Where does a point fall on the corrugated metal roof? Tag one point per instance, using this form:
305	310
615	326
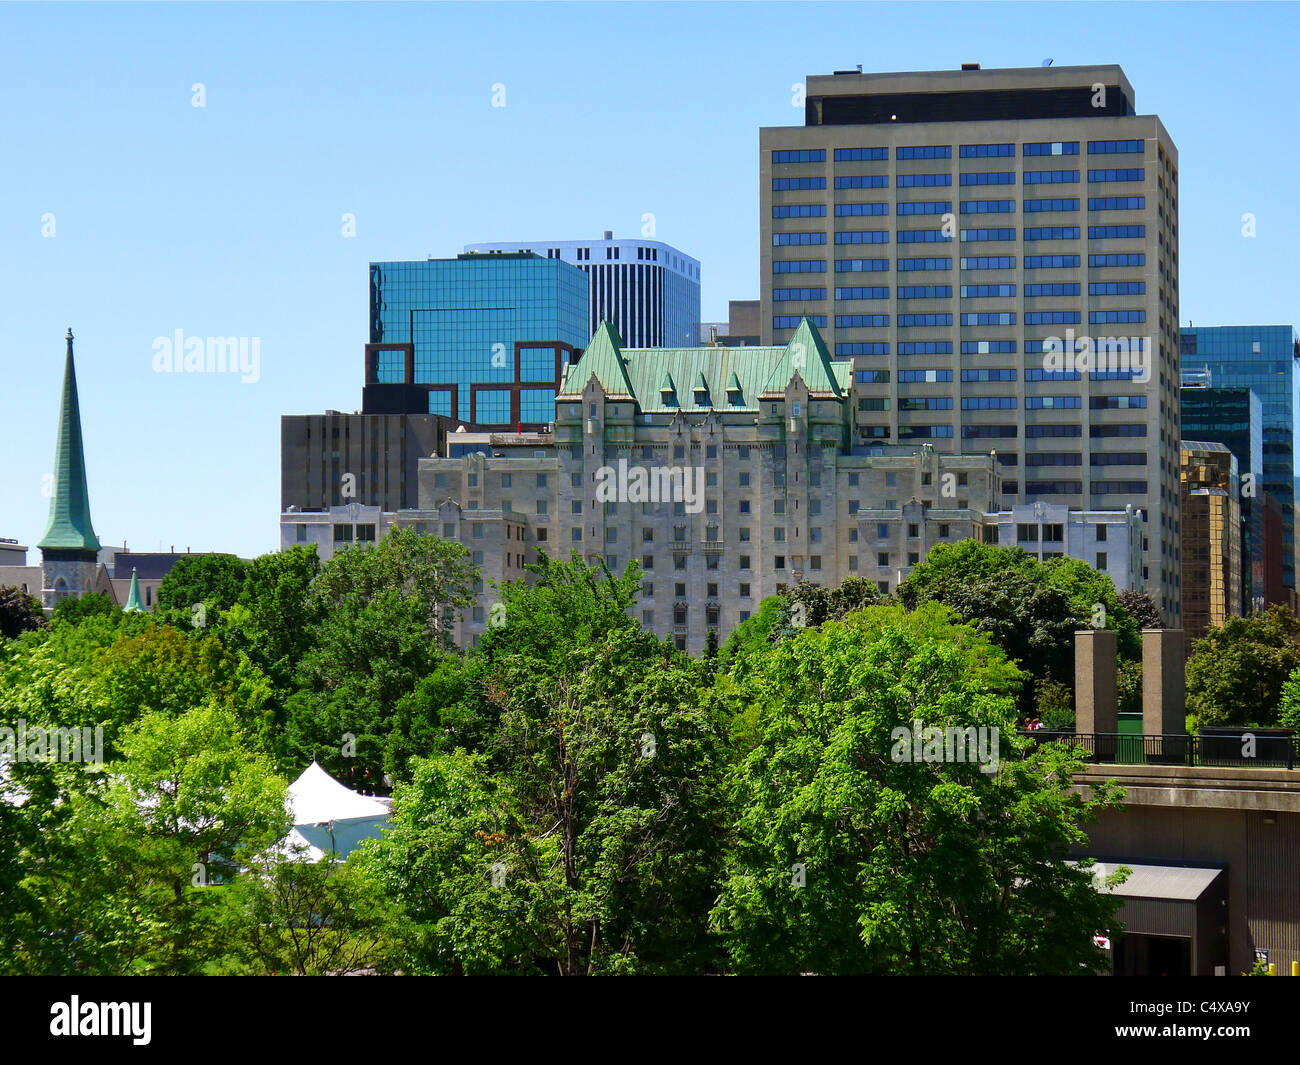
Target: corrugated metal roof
1174	882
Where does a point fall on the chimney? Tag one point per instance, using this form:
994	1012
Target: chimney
609	234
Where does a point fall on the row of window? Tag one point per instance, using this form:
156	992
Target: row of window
987	262
1037	432
982	291
966	151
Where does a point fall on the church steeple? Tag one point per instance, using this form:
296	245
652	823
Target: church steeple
70	529
133	604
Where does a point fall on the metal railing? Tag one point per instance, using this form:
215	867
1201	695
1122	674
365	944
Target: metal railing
1244	748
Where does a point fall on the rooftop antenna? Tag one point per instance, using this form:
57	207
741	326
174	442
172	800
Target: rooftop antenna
1047	62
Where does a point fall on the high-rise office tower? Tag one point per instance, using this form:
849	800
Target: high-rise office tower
1264	359
649	291
478	338
1232	417
997	252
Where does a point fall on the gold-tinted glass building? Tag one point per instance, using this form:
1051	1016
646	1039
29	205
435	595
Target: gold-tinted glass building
1211	535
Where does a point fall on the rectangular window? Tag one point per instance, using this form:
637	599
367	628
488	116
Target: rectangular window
863	181
987	151
799	155
861	155
924	151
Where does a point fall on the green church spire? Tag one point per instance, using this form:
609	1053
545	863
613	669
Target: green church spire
133	600
70	527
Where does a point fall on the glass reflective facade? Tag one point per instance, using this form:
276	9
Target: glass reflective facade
1263	359
478	320
648	290
1233	417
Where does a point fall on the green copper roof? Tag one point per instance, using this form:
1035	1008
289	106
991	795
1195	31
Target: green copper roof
70	525
604	358
806	354
650	374
133	600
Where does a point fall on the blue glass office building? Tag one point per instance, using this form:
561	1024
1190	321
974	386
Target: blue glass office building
1262	358
650	291
482	339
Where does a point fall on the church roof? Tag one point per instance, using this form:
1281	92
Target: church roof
70	526
735	378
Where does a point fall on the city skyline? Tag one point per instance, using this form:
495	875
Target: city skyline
228	220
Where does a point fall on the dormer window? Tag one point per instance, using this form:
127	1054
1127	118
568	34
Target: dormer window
701	392
668	391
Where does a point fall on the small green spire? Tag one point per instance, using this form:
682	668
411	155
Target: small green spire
70	526
133	603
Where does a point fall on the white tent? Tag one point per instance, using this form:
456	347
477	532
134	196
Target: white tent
329	817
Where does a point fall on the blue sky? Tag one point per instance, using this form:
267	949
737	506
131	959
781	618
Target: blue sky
226	220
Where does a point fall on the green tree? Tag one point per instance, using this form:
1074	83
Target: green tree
19	612
1004	593
1055	704
585	840
127	865
1128	683
73	609
1142	609
272	619
214	581
849	860
1090	589
1236	674
383	624
316	918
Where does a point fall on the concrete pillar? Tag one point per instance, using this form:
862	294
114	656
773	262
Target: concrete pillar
1164	694
1096	697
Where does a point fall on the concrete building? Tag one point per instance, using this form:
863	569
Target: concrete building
331	459
727	474
478	338
649	291
333	528
1211	834
12	553
1262	358
1054	338
1110	541
739	331
1211	535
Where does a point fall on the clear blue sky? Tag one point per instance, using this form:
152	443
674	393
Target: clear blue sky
226	220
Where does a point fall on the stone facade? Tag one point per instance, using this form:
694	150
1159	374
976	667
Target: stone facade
761	492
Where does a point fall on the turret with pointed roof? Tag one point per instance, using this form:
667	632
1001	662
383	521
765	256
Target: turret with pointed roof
70	564
70	532
133	603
